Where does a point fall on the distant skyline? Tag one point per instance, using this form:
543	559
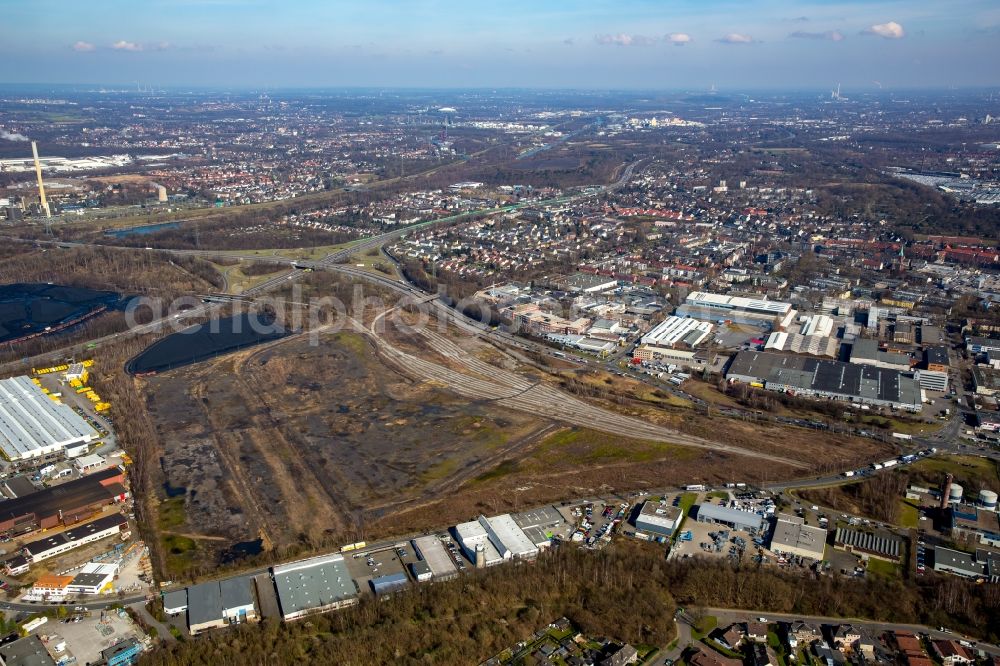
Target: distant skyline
594	44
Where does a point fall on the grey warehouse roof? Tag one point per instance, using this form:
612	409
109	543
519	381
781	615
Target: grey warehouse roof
724	514
850	380
313	583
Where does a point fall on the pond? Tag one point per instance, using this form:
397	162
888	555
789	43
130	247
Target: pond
29	310
204	341
142	230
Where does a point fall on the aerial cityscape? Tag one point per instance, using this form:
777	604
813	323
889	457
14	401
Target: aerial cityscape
654	333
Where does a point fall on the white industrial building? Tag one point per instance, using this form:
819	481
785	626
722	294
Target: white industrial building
678	330
659	519
33	425
932	380
94	578
431	550
489	541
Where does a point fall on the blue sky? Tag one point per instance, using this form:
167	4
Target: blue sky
653	44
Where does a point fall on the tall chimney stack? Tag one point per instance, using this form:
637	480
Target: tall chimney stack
41	186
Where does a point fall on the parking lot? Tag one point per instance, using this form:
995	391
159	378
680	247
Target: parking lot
594	522
368	564
86	634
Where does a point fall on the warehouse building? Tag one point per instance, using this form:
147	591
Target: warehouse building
80	535
819	378
796	343
678	331
734	518
219	603
421	571
974	524
65	504
984	564
868	544
389	583
986	380
33	425
658	519
432	551
94	578
932	380
314	585
866	352
791	536
751	311
27	651
539	525
175	602
499	533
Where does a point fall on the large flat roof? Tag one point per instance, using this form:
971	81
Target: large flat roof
725	302
76	534
313	583
32	424
792	532
204	603
435	555
662	515
864	382
675	329
504	530
68	496
724	514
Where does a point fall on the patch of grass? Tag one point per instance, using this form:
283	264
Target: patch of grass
171	513
687	501
586	445
439	470
704	626
351	341
503	469
971	471
884	569
180	551
909	516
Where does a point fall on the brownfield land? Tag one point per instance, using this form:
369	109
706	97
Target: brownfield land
300	444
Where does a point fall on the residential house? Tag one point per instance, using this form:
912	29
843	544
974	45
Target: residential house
757	631
804	633
845	638
951	653
731	637
707	657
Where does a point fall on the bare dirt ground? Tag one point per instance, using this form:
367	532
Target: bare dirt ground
303	444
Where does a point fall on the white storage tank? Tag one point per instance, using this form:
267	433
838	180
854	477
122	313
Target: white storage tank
988	500
955	493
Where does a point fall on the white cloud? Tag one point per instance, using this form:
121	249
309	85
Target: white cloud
832	35
736	38
83	47
12	136
622	39
122	45
679	38
890	30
